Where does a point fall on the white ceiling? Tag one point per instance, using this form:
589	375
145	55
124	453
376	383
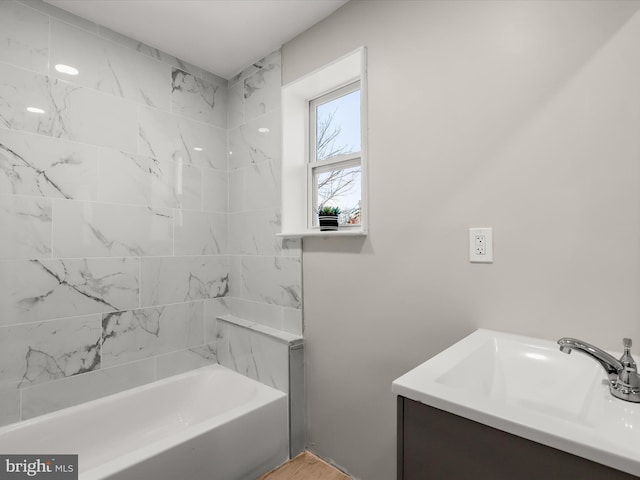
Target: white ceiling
221	36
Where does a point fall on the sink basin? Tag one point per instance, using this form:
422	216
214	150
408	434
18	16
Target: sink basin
527	387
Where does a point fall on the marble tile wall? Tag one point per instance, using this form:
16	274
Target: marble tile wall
137	206
265	271
114	224
271	356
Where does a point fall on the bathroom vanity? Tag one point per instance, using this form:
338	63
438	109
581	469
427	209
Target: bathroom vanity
498	406
434	444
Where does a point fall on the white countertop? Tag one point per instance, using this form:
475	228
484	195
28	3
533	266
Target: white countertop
527	387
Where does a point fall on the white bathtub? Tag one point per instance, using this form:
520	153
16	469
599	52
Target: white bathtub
207	424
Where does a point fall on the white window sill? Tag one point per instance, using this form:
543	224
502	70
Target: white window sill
348	232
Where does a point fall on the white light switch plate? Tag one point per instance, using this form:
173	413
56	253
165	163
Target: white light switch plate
481	245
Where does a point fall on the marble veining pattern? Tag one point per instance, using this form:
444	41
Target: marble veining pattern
68	110
137	334
101	230
39	352
214	308
235	276
199	99
200	233
262	185
164	136
256	141
107	67
272	58
254	233
33	290
183	279
140	180
48	167
52	396
26	227
262	89
274	280
114	260
24	36
254	355
159	55
265	271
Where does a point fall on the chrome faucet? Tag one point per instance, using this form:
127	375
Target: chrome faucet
624	381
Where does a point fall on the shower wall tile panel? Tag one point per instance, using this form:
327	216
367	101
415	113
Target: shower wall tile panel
235	106
117	248
52	396
272	58
41	289
200	233
184	360
262	89
89	229
24	37
55	12
108	67
215	190
259	312
198	99
265	271
254	355
137	334
168	280
10	401
140	180
67	110
165	136
236	190
262	185
159	55
254	232
273	280
38	352
26	226
47	167
255	141
113	212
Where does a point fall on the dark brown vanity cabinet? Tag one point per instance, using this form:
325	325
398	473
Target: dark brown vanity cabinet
437	445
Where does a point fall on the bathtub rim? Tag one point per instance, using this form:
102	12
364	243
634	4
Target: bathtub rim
264	395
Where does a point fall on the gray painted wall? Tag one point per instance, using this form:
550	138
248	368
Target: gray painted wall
521	116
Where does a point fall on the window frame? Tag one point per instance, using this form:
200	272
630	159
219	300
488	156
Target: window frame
338	162
296	184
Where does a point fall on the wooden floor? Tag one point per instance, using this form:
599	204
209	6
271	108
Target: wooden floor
305	466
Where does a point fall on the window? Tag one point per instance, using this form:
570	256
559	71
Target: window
335	171
324	160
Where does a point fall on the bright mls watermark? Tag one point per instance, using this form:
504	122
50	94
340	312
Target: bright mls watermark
51	467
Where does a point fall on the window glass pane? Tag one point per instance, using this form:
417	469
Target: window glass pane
341	188
338	126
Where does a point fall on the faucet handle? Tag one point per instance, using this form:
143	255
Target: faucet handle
627	359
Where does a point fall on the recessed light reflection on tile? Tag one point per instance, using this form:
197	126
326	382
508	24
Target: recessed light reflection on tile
69	70
34	110
198	149
263	130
